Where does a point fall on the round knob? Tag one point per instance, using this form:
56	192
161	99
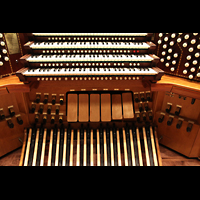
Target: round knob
12	112
179	124
60	119
57	110
140	107
49	110
169	122
41	109
36	118
144	116
161	118
142	97
146	107
177	111
33	108
6	58
150	116
10	124
61	100
136	98
148	97
52	119
44	119
189	127
4	51
19	120
53	100
138	117
37	98
45	99
2	43
168	109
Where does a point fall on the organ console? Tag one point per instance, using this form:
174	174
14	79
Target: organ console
102	99
80	56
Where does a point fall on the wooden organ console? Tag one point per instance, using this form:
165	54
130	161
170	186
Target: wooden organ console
101	99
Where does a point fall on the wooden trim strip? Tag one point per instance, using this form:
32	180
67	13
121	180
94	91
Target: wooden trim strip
98	149
50	148
28	147
78	149
57	148
85	149
125	148
139	147
64	148
71	148
36	148
153	147
91	149
105	148
112	149
146	147
132	148
157	147
23	148
118	149
43	147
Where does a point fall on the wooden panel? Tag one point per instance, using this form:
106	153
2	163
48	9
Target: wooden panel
116	107
177	139
72	107
186	92
188	110
105	107
83	108
127	102
167	82
9	138
9	100
3	91
94	107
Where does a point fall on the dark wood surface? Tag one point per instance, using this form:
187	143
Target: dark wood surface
169	158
